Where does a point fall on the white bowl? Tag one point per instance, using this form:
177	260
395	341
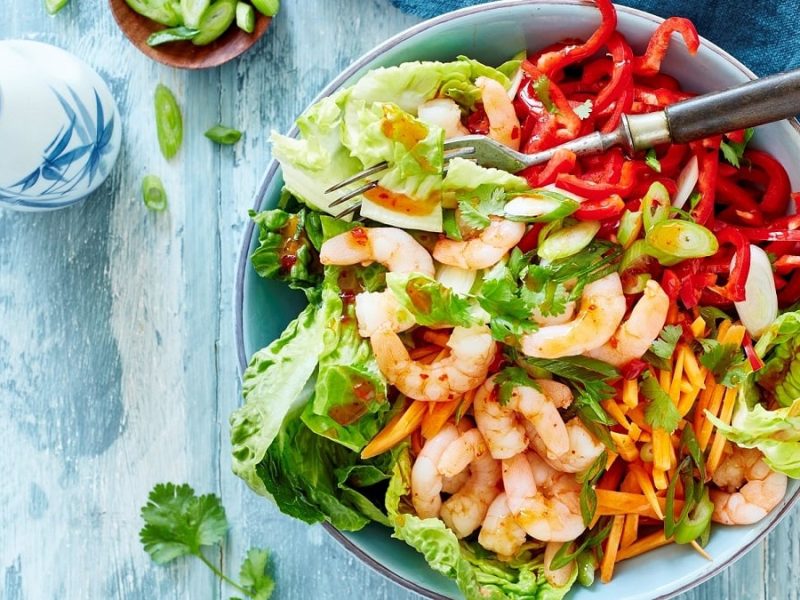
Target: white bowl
60	130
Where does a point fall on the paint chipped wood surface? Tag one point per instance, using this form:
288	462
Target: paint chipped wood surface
117	359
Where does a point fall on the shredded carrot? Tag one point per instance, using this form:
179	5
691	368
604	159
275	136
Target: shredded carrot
439	338
437	415
645	544
646	485
687	401
713	407
660	480
718	446
635	432
701	551
662	449
611	478
610	502
396	430
672	313
677	376
698	327
626	447
693	370
612	547
702	405
630	531
645	437
611	458
664	379
630	392
637	416
614	410
416	442
686	386
723	329
629	484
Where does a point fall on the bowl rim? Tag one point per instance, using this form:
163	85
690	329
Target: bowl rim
269	174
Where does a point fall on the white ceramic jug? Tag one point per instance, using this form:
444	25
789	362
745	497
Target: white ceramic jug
60	130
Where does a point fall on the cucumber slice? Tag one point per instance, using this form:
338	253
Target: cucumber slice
216	21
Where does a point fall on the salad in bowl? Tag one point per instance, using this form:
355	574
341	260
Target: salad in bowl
529	378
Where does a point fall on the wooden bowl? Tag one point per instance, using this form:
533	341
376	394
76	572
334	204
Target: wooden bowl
185	55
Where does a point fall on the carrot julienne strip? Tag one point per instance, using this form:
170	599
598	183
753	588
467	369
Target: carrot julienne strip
646	485
437	415
396	430
612	547
645	544
630	531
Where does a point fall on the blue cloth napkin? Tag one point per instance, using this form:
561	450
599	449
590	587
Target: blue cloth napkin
761	33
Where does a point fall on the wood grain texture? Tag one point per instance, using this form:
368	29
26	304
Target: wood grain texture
117	358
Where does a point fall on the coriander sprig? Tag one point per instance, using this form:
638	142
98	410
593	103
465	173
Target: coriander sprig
179	523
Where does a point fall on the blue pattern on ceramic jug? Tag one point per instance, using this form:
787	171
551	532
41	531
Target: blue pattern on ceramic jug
72	128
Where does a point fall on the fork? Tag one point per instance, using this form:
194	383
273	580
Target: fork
753	103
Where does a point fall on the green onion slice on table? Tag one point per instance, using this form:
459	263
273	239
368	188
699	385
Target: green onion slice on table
169	122
153	193
223	135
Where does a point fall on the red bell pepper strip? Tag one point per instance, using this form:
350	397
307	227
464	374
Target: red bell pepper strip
606	167
659	80
570	122
707	152
728	192
777	192
600	210
780	282
755	362
563	161
622	106
477	122
551	62
692	288
766	234
671	284
735	288
530	240
737	136
597	70
650	63
622	75
598	191
673	159
633	369
791	291
787	263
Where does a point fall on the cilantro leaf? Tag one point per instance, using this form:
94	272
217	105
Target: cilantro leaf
660	412
510	378
584	110
719	358
734	151
501	296
471	216
178	523
651	160
254	574
541	88
664	346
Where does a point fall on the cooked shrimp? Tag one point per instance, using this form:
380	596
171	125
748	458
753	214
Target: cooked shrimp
450	485
635	335
461	452
464	511
558	577
483	251
545	502
426	481
499	531
503	122
749	488
601	310
376	310
583	448
500	425
393	248
472	351
444	113
543	415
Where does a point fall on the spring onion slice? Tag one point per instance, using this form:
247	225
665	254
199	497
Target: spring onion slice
760	306
245	17
223	135
634	256
687	180
568	241
153	193
173	34
192	11
674	240
630	224
267	7
539	206
457	279
655	205
215	21
169	122
53	6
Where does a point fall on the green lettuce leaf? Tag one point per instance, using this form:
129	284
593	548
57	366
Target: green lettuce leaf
431	303
285	251
277	381
779	347
316	160
463	175
350	403
478	576
776	433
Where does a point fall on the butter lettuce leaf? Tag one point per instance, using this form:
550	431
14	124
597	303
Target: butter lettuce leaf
779	347
465	175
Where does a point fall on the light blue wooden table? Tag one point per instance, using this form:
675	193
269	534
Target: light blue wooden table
117	360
